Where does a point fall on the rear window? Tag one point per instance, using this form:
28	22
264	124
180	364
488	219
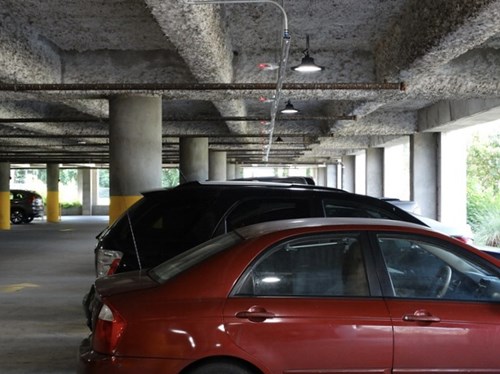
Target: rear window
334	208
171	268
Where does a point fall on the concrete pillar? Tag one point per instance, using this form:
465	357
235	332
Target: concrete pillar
331	175
348	173
230	171
85	184
452	178
217	168
238	171
135	134
193	163
375	172
321	180
423	172
4	196
52	204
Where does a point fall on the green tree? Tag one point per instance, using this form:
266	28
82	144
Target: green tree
483	186
67	176
169	177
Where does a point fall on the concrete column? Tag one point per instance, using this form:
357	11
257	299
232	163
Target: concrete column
375	172
52	204
238	171
135	134
217	167
193	163
348	173
4	196
452	179
331	175
321	179
230	171
85	181
423	172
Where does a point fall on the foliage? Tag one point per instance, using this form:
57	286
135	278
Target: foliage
67	176
72	204
169	177
483	186
104	178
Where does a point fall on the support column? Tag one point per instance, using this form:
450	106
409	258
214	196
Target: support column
423	172
375	172
193	162
86	190
217	167
321	176
52	204
348	173
135	149
230	171
4	196
331	175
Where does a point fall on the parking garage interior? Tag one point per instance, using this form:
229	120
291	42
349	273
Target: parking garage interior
134	86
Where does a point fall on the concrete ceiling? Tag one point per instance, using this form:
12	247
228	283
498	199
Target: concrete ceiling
389	64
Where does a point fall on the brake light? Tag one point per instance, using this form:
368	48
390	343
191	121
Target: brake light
105	260
108	330
114	266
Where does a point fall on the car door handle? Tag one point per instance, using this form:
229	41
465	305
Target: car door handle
255	314
421	316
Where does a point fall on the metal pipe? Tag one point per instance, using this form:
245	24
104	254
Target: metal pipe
14	87
180	119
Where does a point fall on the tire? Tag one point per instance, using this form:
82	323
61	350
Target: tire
221	367
17	216
28	219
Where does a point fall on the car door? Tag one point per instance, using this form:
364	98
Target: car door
445	306
307	305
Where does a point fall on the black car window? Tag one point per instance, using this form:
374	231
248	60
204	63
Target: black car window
264	209
339	208
418	268
326	265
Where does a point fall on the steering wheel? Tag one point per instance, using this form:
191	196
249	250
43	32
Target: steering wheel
443	276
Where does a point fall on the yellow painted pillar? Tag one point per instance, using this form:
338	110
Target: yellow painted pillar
52	203
4	196
135	149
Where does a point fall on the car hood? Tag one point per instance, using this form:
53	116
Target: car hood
124	282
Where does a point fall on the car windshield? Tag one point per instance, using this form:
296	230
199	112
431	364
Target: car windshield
176	265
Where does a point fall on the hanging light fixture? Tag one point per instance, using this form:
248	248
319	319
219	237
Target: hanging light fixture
289	109
307	65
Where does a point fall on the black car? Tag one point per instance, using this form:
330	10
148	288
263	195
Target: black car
25	206
167	222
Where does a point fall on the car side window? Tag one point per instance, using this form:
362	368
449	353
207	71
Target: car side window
419	268
265	209
315	266
333	208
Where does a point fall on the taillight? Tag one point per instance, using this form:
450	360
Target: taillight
105	260
114	266
108	330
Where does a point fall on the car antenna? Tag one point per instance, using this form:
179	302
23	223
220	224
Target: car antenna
133	240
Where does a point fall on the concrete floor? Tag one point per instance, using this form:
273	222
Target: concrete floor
45	269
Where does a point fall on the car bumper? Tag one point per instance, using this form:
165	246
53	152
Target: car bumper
91	362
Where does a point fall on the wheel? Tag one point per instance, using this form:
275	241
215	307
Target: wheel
28	219
17	216
443	280
222	367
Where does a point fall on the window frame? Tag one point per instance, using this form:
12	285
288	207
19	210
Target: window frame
367	252
458	250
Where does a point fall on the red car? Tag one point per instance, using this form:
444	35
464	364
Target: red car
322	295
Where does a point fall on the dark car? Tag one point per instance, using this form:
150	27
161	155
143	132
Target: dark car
324	295
165	223
25	206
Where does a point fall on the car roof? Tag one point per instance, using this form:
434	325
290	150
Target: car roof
244	184
265	228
